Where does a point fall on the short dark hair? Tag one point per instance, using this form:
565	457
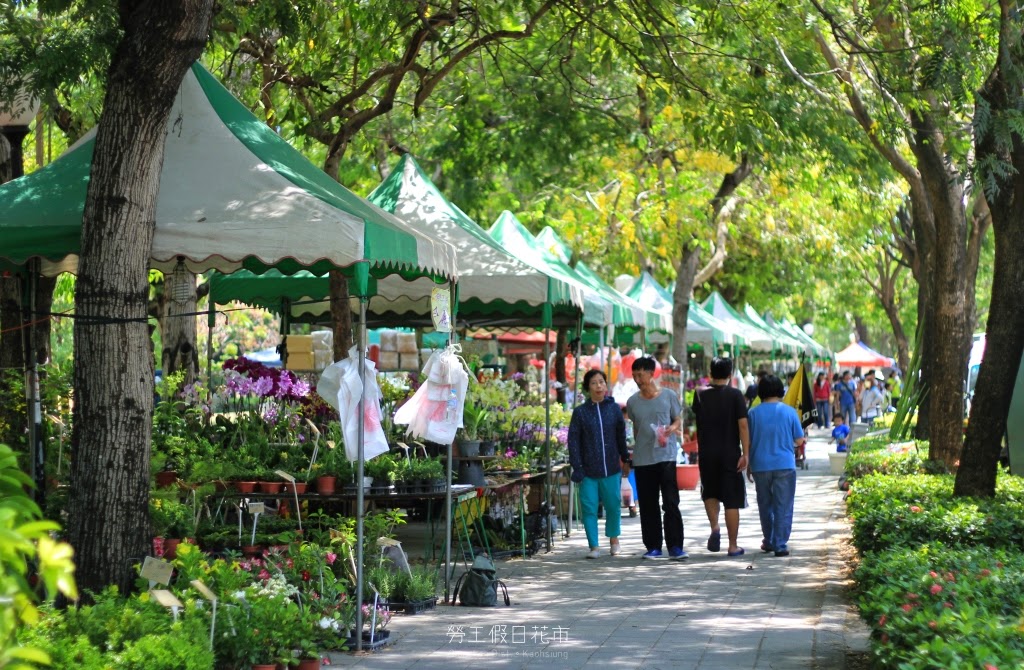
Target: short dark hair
721	368
770	387
587	378
644	363
838	416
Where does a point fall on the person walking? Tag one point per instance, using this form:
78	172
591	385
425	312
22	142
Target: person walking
822	395
722	443
599	459
896	389
846	389
871	401
775	432
656	416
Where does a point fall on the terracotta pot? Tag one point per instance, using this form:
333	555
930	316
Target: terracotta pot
309	664
171	549
166	478
325	485
264	666
270	487
687	477
245	487
252	551
298	487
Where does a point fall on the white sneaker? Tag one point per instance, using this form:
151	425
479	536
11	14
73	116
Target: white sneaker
614	551
594	553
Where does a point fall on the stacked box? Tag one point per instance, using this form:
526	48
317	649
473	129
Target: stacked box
323	349
300	352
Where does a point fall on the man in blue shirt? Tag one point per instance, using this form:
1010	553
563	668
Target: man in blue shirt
775	432
846	388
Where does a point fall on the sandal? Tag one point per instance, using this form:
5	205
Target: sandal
715	541
739	552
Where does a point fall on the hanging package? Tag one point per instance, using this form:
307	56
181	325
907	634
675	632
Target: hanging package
434	412
341	387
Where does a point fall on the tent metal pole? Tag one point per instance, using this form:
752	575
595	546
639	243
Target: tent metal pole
35	413
547	430
361	360
211	323
452	339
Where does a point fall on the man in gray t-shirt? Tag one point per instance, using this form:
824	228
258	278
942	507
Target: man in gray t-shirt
655	414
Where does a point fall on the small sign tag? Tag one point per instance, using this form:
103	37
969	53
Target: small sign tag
156	570
256	508
388	542
285	476
166	598
204	590
440	309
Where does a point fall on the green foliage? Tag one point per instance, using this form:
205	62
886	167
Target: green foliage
940	608
909	511
170	517
25	538
124	634
877	454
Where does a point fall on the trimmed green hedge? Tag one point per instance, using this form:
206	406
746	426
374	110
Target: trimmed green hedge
941	580
937	608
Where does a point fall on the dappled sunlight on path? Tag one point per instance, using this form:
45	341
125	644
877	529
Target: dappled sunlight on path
710	611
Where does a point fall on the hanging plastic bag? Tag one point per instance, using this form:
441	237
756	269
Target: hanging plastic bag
341	387
434	413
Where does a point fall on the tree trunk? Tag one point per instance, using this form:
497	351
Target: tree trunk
12	360
720	208
681	302
178	333
1005	332
861	330
951	332
341	315
109	524
902	346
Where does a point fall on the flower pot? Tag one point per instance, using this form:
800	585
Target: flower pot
297	487
487	447
469	448
309	664
245	487
270	487
252	550
166	478
837	462
264	666
687	477
325	485
380	638
171	549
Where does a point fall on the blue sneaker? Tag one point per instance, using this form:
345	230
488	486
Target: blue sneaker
677	554
653	553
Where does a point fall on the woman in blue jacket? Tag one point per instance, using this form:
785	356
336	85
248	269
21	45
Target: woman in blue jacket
599	457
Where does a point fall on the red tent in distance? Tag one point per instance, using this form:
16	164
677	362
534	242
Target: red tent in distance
859	354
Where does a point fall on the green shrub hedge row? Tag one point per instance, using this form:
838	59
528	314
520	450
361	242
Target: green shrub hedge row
941	581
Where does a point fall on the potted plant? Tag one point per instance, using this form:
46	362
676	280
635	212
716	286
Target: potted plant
469	442
383	469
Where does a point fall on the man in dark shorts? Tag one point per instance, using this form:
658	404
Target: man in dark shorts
723	442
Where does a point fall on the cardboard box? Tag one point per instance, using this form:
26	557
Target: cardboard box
302	360
300	344
407	343
388	360
389	340
409	362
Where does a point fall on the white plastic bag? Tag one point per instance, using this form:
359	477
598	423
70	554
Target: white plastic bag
341	387
434	412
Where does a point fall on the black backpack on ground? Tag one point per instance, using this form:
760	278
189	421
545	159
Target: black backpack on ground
479	586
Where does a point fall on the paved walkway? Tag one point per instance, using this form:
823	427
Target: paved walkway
707	612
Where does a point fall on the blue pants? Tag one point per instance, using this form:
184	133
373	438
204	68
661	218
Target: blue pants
849	413
776	490
607	491
824	419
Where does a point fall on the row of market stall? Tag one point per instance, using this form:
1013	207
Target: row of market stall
238	200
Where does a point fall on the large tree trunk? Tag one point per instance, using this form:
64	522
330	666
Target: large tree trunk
721	207
902	346
109	524
178	332
1005	333
952	295
561	349
341	315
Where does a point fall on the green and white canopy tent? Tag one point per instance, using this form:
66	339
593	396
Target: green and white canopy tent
758	340
495	288
702	328
233	195
784	341
514	238
628	315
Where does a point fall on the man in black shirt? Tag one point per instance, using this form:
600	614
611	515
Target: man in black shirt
723	442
